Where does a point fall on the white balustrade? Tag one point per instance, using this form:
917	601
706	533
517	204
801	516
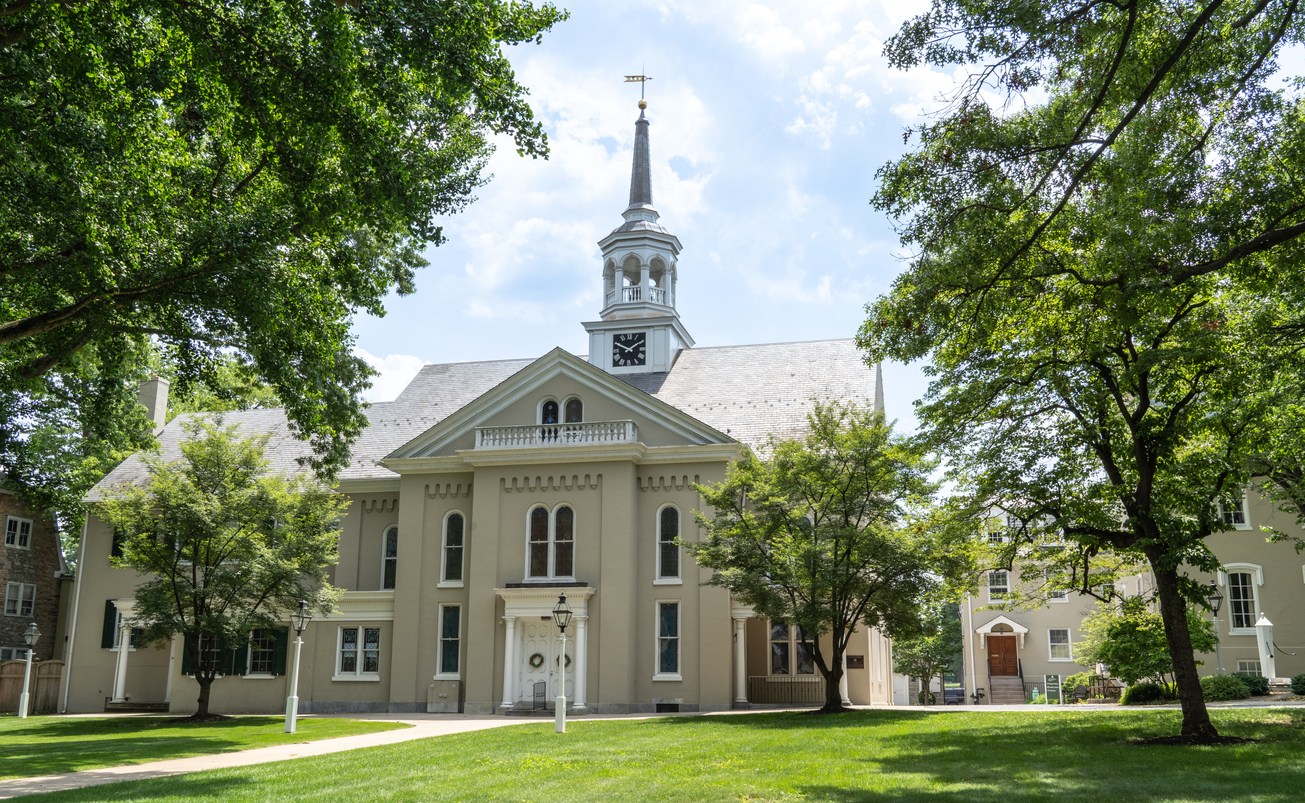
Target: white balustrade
635	293
543	435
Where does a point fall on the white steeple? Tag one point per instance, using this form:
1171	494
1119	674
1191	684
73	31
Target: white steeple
640	330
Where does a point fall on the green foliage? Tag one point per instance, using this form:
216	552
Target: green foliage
1130	638
224	546
1298	684
1217	688
929	654
1106	282
1256	685
1145	693
1072	682
231	385
831	533
227	178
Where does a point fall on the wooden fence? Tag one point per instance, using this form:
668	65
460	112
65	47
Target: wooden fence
786	689
43	688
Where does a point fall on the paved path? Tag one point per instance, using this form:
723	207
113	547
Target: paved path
422	727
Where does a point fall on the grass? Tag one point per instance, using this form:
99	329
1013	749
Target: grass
54	745
1016	757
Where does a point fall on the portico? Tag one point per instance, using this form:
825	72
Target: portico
531	648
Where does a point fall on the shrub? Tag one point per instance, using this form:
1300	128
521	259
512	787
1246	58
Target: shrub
1258	686
1223	687
1298	684
1144	693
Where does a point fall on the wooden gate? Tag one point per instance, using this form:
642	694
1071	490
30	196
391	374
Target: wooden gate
44	686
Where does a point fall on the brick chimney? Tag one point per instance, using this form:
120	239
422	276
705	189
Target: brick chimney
154	398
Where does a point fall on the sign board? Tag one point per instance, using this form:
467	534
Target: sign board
856	662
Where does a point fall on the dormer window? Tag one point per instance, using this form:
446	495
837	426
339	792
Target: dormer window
575	411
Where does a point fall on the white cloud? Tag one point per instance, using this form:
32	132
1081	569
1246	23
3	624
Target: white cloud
396	371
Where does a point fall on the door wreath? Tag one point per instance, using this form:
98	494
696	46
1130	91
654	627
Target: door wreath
568	661
536	661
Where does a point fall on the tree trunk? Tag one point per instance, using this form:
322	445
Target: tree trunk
205	685
1173	610
833	696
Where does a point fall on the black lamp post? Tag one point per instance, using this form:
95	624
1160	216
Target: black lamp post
299	620
1215	600
562	616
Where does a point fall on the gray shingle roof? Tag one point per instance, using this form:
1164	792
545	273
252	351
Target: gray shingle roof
747	392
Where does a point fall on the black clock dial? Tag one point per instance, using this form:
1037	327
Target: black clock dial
630	349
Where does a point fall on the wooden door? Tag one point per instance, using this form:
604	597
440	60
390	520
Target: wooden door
1002	660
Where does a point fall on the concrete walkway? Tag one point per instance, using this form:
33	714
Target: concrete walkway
423	726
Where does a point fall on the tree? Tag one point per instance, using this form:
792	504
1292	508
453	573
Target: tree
230	178
930	654
1130	639
1104	279
827	533
225	547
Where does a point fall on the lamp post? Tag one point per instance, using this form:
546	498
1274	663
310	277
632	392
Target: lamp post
1215	600
30	636
562	616
299	620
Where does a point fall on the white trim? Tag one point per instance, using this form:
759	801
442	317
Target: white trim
385	534
260	676
1245	523
551	559
31	532
539	409
988	585
984	630
562	410
18	599
1257	580
658	577
658	674
439	641
444	550
371	678
360	639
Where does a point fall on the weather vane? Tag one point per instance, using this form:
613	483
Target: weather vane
641	80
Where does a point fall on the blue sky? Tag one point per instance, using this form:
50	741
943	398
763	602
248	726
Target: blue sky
768	124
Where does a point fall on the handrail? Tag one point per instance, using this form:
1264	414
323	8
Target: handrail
544	435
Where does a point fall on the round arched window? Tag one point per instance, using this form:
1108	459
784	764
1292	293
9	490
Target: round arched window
575	411
549	415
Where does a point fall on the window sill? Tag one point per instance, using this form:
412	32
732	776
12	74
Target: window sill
16	546
448	676
668	581
373	678
1240	527
260	676
449	584
116	649
1057	600
1241	631
660	676
543	581
1060	660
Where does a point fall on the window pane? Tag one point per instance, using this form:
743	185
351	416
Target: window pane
449	639
670	625
392	543
1060	646
563	550
453	564
29	600
261	646
778	630
575	412
669	552
670	655
371	649
1241	599
806	661
670	560
391	564
550	412
349	649
539	542
453	536
779	657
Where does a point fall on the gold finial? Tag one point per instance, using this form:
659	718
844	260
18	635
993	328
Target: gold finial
643	104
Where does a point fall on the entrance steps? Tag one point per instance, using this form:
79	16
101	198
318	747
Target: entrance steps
1005	690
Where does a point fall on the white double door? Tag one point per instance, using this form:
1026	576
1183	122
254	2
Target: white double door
540	652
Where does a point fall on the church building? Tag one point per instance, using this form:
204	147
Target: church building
485	490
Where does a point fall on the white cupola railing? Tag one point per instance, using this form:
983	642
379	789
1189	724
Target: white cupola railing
634	292
544	435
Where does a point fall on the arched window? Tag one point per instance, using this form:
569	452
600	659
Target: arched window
453	534
548	414
539	542
668	554
575	411
551	546
390	561
564	542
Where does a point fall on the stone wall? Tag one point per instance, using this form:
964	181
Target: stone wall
37	565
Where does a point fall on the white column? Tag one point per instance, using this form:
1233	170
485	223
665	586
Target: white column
620	284
842	684
510	656
644	293
172	665
740	662
120	675
581	664
27	676
1264	635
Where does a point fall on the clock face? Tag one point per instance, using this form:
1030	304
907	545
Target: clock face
629	349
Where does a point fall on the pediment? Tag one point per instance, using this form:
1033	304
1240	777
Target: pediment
559	374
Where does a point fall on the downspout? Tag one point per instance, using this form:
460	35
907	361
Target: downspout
72	626
969	639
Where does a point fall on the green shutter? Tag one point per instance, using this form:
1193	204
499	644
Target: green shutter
110	620
185	654
235	661
115	551
278	651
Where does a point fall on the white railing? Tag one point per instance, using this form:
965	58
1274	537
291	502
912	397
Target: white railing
635	293
540	435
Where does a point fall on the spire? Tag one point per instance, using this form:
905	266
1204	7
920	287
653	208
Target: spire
641	172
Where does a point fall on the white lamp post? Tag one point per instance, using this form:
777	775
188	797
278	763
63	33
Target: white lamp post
1215	600
562	616
299	620
30	636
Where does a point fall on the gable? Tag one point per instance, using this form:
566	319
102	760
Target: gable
559	375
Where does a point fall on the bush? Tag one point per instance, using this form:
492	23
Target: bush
1144	693
1223	687
1298	684
1256	685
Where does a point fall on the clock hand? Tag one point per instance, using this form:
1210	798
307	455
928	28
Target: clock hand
627	348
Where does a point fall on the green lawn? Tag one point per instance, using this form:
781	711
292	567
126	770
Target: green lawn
865	756
55	745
